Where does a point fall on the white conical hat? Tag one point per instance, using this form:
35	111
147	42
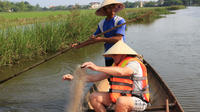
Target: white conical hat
120	48
100	11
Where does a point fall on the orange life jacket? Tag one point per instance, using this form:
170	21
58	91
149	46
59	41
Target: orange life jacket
124	85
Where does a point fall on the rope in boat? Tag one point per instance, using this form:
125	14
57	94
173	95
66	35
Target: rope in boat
67	49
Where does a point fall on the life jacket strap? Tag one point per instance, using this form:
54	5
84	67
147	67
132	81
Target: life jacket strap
124	77
125	91
137	94
139	78
120	83
131	77
143	91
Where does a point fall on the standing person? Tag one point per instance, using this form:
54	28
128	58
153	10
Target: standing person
109	8
127	77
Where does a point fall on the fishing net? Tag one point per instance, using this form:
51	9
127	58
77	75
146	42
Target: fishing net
77	90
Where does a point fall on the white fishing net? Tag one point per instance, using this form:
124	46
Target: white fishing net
77	90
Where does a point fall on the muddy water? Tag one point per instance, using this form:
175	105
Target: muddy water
171	45
42	88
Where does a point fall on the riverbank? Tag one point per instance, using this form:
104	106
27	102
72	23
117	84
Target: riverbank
41	39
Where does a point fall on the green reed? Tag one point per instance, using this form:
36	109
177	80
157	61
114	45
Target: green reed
42	38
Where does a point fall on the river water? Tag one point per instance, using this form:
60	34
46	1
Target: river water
171	45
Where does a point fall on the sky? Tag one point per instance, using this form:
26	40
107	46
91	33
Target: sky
47	3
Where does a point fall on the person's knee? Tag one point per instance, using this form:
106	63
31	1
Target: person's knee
123	104
121	101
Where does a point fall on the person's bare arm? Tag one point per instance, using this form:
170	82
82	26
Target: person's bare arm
112	39
96	77
88	78
94	40
116	71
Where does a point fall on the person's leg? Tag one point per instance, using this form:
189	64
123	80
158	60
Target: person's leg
124	104
100	99
127	104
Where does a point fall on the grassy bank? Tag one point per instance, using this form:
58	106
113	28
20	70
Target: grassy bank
22	18
39	38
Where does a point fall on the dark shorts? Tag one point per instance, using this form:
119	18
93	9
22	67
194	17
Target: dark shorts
109	62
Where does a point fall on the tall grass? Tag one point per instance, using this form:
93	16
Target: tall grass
5	22
39	39
42	38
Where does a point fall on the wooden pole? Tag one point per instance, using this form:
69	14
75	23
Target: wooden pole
167	105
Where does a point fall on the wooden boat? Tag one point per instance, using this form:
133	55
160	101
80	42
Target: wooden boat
161	98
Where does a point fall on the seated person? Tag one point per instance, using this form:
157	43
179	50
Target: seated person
127	78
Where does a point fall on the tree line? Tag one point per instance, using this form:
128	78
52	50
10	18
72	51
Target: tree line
163	3
6	6
181	2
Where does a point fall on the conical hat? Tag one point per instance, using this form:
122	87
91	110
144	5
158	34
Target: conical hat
100	11
120	48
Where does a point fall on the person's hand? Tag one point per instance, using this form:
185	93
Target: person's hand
96	39
75	45
89	65
92	37
67	77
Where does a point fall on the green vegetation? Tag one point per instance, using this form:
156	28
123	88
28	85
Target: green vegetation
6	6
38	14
160	3
176	7
50	36
22	18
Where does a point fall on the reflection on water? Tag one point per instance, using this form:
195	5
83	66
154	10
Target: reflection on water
171	45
